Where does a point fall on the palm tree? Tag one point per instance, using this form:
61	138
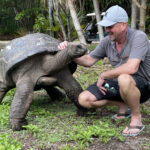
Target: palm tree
76	21
142	7
98	18
58	7
133	15
50	11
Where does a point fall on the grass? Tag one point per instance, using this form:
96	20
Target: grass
56	122
8	143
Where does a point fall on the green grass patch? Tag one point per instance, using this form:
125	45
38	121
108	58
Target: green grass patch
91	46
4	111
8	143
101	130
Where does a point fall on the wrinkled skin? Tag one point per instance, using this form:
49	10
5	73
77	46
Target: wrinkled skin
42	71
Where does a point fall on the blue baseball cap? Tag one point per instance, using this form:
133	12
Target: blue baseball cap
114	15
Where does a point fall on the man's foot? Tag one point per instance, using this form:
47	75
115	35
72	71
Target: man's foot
118	116
133	130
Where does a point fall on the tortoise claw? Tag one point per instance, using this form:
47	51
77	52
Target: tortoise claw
17	124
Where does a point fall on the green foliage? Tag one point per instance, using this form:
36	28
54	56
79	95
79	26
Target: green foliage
27	13
92	46
145	110
8	25
33	16
41	112
99	63
11	93
9	96
32	128
4	110
147	24
102	130
41	24
69	147
8	143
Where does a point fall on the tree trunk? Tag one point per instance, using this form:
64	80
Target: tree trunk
50	11
98	18
81	4
142	15
57	7
67	13
68	27
133	15
43	3
76	22
61	24
142	8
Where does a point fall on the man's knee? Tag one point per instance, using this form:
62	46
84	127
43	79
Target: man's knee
125	82
86	98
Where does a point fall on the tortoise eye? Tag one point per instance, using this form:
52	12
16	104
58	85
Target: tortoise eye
79	46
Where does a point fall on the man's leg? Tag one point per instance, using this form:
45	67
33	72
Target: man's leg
131	96
93	98
88	100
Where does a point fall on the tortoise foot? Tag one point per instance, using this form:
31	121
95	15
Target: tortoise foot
17	124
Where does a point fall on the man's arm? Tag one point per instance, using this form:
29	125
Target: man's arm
130	67
86	60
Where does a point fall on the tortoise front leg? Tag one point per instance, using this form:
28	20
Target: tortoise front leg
21	103
72	89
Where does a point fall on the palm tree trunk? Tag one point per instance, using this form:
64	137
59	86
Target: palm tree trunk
50	11
76	22
61	24
133	15
142	8
142	15
98	18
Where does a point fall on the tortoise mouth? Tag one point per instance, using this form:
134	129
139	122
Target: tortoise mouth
81	49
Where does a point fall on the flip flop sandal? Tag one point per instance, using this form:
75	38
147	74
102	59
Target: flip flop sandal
141	128
127	114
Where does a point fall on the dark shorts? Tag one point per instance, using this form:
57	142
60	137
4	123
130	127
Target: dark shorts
141	83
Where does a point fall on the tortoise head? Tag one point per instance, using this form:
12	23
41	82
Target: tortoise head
76	50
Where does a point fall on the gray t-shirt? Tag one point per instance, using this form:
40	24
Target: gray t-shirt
136	46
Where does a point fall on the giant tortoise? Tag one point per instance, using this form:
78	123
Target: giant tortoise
33	62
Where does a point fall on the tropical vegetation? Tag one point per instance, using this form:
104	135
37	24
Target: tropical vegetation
20	17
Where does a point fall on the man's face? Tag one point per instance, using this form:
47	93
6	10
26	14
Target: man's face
116	31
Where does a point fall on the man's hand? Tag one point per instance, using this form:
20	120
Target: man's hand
100	82
62	45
